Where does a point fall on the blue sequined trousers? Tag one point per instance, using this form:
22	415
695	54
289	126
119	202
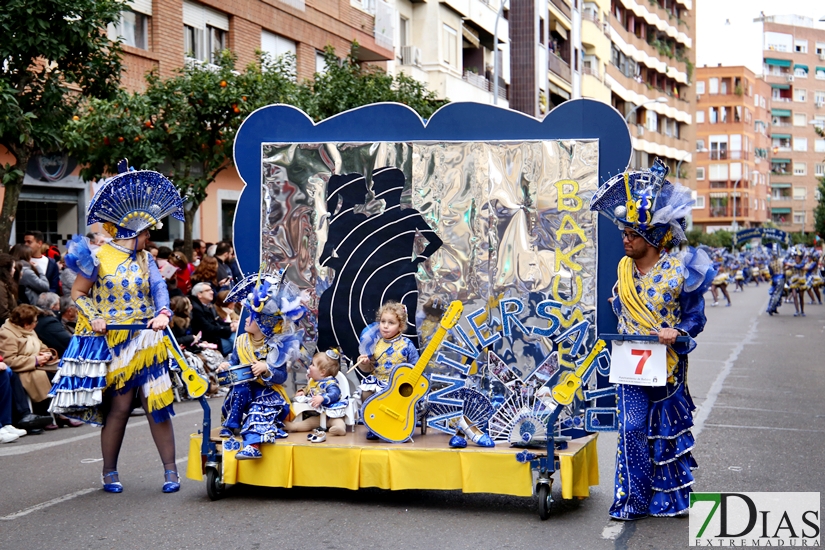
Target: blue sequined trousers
265	411
653	460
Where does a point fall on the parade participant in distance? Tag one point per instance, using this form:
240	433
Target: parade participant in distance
658	292
119	284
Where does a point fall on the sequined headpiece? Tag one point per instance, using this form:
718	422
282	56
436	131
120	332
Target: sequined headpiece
647	203
269	299
134	200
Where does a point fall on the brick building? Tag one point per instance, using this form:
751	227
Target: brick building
732	169
165	34
794	67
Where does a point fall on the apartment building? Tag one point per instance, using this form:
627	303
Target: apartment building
794	67
732	142
650	74
452	45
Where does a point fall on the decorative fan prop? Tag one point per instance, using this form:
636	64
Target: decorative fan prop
474	405
522	418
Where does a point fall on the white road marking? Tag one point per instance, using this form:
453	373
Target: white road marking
48	503
703	412
25	449
612	530
771	428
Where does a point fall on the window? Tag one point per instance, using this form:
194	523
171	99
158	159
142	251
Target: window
756	100
819	145
700	87
713	86
820	73
403	32
762	102
800	169
320	64
820	48
718	172
799	95
799	217
718	147
133	26
819	170
800	46
700	117
800	144
736	171
700	173
800	193
277	46
713	115
799	72
700	145
651	120
819	97
204	32
450	45
799	119
700	202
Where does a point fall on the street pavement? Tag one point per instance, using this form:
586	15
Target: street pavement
757	380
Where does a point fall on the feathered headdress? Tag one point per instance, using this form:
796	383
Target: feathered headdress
134	200
647	203
270	300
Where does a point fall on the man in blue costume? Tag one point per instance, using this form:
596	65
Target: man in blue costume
659	292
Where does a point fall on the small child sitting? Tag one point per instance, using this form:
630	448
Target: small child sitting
323	395
379	356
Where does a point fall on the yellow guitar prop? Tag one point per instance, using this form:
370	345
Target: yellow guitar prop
391	413
571	382
196	385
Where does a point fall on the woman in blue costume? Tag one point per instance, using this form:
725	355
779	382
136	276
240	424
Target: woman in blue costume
119	284
659	292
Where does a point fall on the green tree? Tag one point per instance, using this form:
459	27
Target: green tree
819	211
183	126
53	55
347	83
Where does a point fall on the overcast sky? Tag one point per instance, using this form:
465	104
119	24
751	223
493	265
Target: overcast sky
726	33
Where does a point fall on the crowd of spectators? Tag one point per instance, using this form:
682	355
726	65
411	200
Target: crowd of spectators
38	318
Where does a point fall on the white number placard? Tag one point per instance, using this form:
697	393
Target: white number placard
638	364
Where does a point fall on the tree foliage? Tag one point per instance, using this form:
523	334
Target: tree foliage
54	54
183	126
347	84
819	211
717	239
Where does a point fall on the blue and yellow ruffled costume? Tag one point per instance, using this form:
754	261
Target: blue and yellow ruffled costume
120	360
387	354
653	459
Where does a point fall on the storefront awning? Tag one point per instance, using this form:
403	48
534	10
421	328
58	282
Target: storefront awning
781	86
777	62
780	112
780	186
780	161
803	67
717	195
820	69
781	136
780	210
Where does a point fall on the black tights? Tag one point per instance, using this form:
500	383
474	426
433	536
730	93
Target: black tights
111	437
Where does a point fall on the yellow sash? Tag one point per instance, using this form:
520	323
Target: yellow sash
247	356
637	309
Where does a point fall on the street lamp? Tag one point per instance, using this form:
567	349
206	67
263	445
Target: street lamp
634	109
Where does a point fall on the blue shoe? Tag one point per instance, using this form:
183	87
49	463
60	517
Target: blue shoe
458	442
248	453
171	486
372	436
280	434
114	485
226	432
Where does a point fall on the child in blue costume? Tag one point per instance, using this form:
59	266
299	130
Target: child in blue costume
119	284
259	408
323	395
658	292
383	347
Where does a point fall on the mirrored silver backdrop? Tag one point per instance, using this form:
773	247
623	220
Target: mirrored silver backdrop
513	219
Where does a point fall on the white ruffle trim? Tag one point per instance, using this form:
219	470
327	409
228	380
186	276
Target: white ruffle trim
63	401
81	369
144	339
156	386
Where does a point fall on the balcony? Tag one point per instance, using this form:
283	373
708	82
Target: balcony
482	83
559	66
718	155
562	6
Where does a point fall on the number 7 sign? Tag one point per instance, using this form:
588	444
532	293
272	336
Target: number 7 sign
638	364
